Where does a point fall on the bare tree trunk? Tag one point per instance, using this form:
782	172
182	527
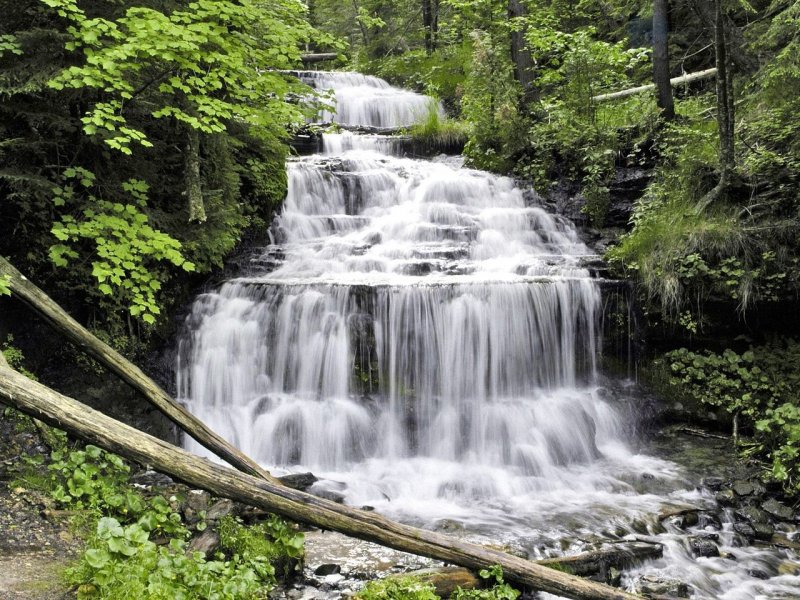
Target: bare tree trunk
41	402
427	25
520	55
58	318
725	115
675	81
661	58
194	190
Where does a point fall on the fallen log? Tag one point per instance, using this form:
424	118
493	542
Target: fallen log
674	82
598	562
595	563
61	411
58	318
316	57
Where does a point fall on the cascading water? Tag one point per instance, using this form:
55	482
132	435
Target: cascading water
425	342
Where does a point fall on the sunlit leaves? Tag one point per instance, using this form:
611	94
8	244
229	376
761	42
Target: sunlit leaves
123	246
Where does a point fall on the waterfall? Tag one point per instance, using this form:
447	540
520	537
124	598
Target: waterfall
426	342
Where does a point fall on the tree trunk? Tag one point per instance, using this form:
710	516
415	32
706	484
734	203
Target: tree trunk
427	25
57	317
194	190
661	58
63	412
520	55
725	114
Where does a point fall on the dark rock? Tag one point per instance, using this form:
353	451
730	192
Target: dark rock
220	509
725	496
713	483
198	500
742	487
328	569
703	546
299	481
614	577
331	495
763	531
758	573
690	519
777	510
745	529
752	515
658	586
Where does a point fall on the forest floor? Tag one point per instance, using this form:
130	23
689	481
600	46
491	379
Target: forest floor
34	549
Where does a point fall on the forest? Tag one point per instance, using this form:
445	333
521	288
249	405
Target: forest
153	157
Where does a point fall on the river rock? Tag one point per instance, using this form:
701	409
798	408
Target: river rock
725	496
703	546
745	529
299	481
220	509
650	585
748	487
713	483
764	531
752	514
777	510
328	569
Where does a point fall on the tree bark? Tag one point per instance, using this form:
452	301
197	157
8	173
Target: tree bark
595	563
194	190
63	412
318	57
520	55
724	94
675	81
58	318
661	58
427	25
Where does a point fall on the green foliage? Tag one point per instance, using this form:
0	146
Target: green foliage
397	588
438	131
121	562
193	69
490	105
761	386
273	540
500	590
5	281
125	245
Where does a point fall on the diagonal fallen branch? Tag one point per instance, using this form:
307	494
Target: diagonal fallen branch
58	318
61	411
674	82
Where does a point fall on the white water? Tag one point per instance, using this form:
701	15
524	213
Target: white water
426	343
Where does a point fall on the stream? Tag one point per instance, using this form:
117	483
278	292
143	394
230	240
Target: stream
425	341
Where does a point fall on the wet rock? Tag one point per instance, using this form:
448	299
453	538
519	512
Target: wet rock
758	573
745	529
743	487
614	577
752	514
331	495
659	586
703	547
726	497
764	531
299	481
328	569
777	510
713	483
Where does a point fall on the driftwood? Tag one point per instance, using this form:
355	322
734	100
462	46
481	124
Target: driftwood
41	402
596	562
318	57
674	82
58	318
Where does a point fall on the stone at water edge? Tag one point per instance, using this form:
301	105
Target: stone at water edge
703	547
778	510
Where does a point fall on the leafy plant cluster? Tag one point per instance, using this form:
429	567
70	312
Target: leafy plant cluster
412	588
761	387
137	544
